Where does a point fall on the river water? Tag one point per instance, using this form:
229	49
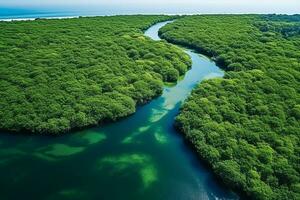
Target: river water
139	157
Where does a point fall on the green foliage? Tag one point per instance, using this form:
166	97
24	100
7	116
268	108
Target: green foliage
246	125
56	75
287	25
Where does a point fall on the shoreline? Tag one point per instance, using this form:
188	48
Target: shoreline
142	102
80	16
20	18
36	18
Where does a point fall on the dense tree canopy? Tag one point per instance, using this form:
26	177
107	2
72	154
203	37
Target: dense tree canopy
246	126
60	74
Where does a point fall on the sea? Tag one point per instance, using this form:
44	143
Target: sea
25	13
61	12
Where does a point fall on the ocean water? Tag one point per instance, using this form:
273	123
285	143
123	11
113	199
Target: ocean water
54	12
19	13
125	9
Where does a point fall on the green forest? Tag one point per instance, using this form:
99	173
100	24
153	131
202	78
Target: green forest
59	75
56	75
246	125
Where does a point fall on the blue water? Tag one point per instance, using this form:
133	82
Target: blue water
19	13
53	12
122	9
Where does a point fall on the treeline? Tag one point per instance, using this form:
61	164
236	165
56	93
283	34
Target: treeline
282	17
287	25
56	75
246	125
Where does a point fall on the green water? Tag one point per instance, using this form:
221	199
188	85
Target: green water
139	157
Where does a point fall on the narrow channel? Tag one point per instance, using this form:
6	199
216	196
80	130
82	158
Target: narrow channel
139	157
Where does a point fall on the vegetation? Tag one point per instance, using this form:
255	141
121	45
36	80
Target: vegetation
246	126
56	75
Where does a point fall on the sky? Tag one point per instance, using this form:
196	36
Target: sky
202	6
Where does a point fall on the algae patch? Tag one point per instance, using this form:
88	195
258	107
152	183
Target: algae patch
148	175
55	151
92	137
157	115
160	137
127	162
132	137
59	150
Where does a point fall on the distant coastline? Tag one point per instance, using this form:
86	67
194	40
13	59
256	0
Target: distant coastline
78	16
60	12
18	14
35	18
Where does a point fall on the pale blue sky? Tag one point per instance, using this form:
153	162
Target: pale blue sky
205	6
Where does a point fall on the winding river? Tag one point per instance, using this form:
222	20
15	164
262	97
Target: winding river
139	157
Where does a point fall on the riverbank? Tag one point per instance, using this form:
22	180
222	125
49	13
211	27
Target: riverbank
139	157
100	77
219	116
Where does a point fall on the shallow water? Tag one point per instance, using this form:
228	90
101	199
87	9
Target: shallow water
139	157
